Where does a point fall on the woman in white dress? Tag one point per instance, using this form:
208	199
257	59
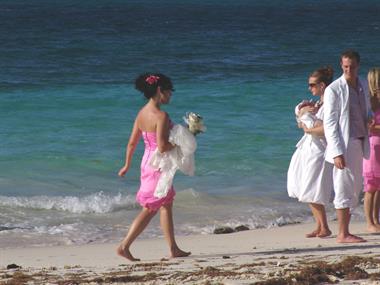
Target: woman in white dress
308	179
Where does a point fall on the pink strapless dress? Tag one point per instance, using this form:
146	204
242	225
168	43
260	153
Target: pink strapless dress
149	177
371	167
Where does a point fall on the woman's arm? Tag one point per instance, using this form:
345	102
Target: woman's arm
317	130
132	144
162	133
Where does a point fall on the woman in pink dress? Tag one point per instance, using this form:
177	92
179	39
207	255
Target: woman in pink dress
371	167
153	125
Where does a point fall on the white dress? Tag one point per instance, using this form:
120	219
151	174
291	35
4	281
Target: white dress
309	179
180	157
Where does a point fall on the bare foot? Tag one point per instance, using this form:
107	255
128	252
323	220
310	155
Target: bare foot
324	233
126	253
312	234
350	239
179	253
373	229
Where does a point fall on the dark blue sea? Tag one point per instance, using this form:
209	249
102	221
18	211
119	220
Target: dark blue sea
67	104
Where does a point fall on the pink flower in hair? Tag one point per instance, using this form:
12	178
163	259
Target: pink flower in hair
151	79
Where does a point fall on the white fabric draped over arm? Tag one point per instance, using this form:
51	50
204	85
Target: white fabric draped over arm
181	157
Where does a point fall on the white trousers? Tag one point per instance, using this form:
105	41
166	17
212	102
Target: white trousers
348	182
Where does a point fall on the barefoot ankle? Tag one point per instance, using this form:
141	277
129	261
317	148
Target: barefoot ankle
177	252
373	228
124	252
349	239
313	234
324	233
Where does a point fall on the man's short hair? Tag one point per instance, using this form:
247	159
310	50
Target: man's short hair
351	54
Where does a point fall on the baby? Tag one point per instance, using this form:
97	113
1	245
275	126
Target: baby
305	113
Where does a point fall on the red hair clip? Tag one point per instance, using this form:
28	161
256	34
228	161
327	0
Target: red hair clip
151	79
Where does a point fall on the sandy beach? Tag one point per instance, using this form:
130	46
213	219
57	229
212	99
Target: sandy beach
279	255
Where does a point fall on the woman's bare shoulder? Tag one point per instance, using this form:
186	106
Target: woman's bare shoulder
162	115
140	120
148	120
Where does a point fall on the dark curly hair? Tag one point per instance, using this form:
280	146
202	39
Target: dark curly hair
148	83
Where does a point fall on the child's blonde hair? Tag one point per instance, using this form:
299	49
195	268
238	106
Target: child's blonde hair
374	80
374	87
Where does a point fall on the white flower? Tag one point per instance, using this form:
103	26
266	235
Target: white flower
194	123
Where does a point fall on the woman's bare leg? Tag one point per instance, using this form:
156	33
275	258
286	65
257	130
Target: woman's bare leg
319	214
369	198
137	226
316	231
376	208
166	219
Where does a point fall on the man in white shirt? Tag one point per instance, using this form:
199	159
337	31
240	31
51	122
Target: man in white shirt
346	107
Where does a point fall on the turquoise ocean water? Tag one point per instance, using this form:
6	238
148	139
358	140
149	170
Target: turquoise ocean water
67	105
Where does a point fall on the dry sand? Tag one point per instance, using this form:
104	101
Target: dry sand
265	256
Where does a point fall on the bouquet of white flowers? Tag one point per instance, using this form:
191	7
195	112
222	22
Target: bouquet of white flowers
194	123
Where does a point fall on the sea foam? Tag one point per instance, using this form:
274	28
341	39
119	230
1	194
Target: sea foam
95	203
